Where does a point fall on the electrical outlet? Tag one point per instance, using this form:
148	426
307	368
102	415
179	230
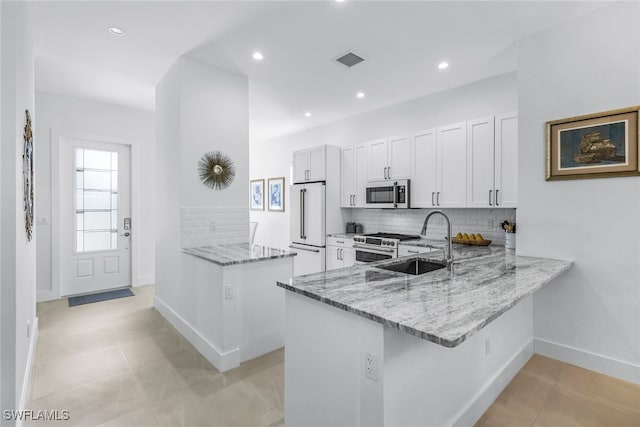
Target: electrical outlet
229	291
371	366
212	225
487	346
489	224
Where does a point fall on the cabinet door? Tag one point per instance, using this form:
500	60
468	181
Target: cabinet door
452	166
480	163
347	177
399	157
348	257
424	169
361	153
333	258
506	160
300	166
378	160
317	162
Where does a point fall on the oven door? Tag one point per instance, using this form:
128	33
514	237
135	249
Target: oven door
367	255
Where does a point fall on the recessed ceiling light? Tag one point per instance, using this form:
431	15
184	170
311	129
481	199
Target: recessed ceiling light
339	1
307	114
116	31
443	65
360	94
257	56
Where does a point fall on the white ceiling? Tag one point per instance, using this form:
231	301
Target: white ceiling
402	42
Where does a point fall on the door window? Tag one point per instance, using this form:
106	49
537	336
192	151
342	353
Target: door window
96	200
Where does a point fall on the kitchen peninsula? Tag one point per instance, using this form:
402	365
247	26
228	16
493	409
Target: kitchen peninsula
372	347
228	306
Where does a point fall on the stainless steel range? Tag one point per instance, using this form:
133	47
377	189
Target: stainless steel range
378	246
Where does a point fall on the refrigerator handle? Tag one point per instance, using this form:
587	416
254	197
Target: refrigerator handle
303	213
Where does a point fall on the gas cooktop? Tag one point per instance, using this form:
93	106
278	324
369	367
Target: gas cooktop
400	237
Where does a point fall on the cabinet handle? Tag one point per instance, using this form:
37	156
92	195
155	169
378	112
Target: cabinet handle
438	198
340	241
340	254
413	252
497	204
384	173
354	200
389	172
490	194
433	195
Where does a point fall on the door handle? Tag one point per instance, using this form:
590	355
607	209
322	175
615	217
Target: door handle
127	234
497	198
490	194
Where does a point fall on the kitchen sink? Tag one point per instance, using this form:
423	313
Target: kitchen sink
414	266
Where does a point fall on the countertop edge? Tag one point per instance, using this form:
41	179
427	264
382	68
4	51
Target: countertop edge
229	263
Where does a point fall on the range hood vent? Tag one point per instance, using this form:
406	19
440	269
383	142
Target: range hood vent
349	59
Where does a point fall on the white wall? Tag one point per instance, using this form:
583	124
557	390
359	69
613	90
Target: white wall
198	109
75	116
591	315
18	280
273	158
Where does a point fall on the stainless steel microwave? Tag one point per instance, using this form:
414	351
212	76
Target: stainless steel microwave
388	194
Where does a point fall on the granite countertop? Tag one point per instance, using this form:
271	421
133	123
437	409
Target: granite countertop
237	253
459	251
439	307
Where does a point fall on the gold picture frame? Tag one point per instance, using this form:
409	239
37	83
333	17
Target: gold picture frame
600	145
275	194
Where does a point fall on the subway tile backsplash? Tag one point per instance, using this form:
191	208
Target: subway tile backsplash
205	226
409	221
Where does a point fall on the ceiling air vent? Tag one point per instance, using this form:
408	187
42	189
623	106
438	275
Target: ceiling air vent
349	59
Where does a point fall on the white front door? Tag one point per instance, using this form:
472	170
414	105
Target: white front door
95	216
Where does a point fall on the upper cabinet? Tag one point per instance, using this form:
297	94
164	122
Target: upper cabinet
353	173
492	158
390	158
309	164
451	186
424	169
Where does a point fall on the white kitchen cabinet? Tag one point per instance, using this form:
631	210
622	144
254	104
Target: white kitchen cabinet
390	158
405	250
309	165
506	161
424	168
480	162
492	157
353	175
340	253
451	190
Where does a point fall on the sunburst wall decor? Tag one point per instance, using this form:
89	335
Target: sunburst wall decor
216	170
27	175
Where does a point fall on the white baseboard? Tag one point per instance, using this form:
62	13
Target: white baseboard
222	361
42	296
485	397
144	280
595	362
26	381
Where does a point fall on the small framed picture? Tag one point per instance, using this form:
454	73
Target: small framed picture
257	195
597	145
275	196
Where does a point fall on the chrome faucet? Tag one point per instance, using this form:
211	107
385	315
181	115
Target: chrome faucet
449	257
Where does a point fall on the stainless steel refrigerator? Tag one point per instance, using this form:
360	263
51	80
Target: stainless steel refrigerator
308	227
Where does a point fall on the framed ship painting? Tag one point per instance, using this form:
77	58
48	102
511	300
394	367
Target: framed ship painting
257	195
276	194
594	146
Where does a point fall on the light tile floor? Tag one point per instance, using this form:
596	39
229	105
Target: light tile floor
119	363
549	393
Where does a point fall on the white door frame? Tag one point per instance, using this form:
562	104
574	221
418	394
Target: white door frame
56	136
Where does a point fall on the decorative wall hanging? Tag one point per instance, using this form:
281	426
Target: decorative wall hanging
216	170
276	194
27	175
257	195
597	145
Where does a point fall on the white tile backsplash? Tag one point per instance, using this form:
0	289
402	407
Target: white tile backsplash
409	221
204	226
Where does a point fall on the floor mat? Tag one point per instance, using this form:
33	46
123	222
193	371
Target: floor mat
101	296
